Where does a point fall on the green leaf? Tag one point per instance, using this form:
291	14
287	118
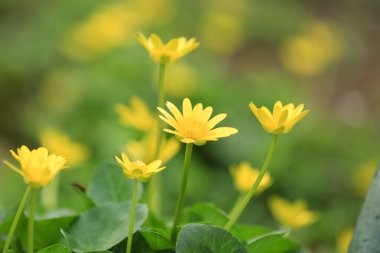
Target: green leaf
103	227
110	185
57	248
201	238
156	239
47	231
366	235
210	214
274	242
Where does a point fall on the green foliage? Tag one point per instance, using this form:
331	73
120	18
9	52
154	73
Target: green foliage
109	185
272	242
57	248
102	227
201	238
366	236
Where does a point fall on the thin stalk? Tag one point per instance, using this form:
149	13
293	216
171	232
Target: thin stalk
16	219
182	193
239	199
154	192
32	209
243	203
132	216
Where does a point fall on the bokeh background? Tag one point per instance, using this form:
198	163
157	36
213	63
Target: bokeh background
64	65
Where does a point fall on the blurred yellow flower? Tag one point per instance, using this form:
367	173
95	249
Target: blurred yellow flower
363	177
138	170
225	28
137	115
38	168
59	143
194	124
183	74
145	149
292	215
107	28
245	176
313	51
344	240
283	118
169	52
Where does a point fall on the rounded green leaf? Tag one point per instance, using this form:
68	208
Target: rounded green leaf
57	248
110	185
274	242
201	238
103	227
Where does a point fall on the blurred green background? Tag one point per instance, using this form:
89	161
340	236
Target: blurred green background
65	64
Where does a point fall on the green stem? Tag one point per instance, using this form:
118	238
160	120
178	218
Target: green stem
182	193
31	220
16	219
154	192
233	209
243	203
132	216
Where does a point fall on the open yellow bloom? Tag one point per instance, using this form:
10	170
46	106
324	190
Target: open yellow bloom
169	52
194	125
292	215
283	118
60	143
137	115
138	170
38	168
245	176
145	149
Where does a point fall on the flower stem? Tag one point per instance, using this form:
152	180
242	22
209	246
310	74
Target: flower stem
236	212
233	209
154	192
132	216
16	219
31	220
182	193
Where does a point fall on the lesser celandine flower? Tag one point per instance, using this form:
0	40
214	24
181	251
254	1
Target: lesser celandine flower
245	176
37	168
75	153
282	119
194	125
292	215
138	171
169	52
136	115
60	143
144	149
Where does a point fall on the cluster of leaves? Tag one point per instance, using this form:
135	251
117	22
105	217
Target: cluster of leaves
103	227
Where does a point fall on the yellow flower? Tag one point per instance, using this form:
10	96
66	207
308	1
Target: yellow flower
245	176
344	240
144	150
137	115
194	124
363	176
138	170
38	168
283	118
292	215
169	52
59	143
312	51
